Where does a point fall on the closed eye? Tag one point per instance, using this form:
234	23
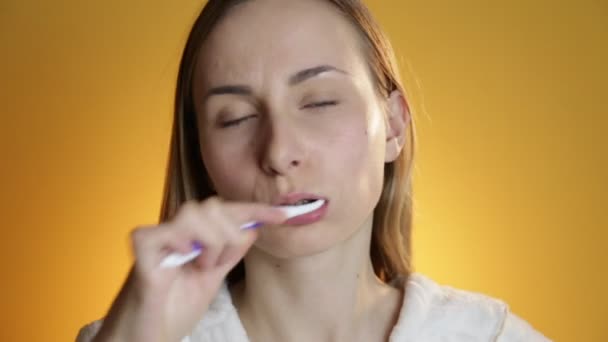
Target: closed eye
320	104
236	122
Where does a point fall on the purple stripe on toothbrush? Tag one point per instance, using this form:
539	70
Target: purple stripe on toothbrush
252	225
196	246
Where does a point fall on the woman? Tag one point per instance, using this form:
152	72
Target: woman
278	102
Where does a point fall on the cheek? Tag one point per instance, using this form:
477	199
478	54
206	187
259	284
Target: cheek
361	141
226	170
357	156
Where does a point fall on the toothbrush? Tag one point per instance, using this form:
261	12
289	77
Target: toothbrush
176	259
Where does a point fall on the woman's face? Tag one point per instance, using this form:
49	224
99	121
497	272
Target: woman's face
285	104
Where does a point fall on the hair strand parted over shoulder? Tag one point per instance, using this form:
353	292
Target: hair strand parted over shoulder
186	177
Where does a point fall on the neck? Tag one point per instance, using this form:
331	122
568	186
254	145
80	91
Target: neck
330	296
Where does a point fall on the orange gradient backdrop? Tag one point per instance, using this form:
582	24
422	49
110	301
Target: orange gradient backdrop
510	101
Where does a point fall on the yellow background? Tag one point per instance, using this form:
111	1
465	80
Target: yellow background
511	107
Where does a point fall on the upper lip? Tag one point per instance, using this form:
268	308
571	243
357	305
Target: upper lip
294	197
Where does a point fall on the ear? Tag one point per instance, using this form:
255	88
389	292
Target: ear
397	120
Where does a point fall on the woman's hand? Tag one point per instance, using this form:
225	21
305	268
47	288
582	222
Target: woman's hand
164	304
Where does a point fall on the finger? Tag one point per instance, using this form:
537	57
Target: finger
227	218
146	241
235	251
240	213
199	227
183	246
152	243
211	254
216	223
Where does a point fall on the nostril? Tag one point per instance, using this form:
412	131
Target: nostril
276	169
273	171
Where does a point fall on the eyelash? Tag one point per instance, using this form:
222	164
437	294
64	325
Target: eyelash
236	122
320	104
313	105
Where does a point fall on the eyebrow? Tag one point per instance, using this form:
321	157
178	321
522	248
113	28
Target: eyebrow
306	74
229	90
295	79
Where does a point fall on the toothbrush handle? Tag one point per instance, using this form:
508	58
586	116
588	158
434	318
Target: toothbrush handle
175	259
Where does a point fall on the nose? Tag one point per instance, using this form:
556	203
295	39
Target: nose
282	149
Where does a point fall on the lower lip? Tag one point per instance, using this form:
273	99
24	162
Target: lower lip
309	218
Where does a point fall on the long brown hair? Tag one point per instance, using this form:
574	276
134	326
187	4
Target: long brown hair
186	177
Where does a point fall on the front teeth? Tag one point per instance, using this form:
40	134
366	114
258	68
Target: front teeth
300	209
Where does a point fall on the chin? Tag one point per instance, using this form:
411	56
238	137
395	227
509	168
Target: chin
287	242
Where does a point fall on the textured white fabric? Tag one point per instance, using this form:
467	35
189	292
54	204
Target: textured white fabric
429	313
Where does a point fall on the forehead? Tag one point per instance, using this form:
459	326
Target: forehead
268	38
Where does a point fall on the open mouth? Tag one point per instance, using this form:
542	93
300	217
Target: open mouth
304	201
302	207
305	211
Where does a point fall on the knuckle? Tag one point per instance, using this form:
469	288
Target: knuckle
189	212
189	206
189	218
137	234
213	205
